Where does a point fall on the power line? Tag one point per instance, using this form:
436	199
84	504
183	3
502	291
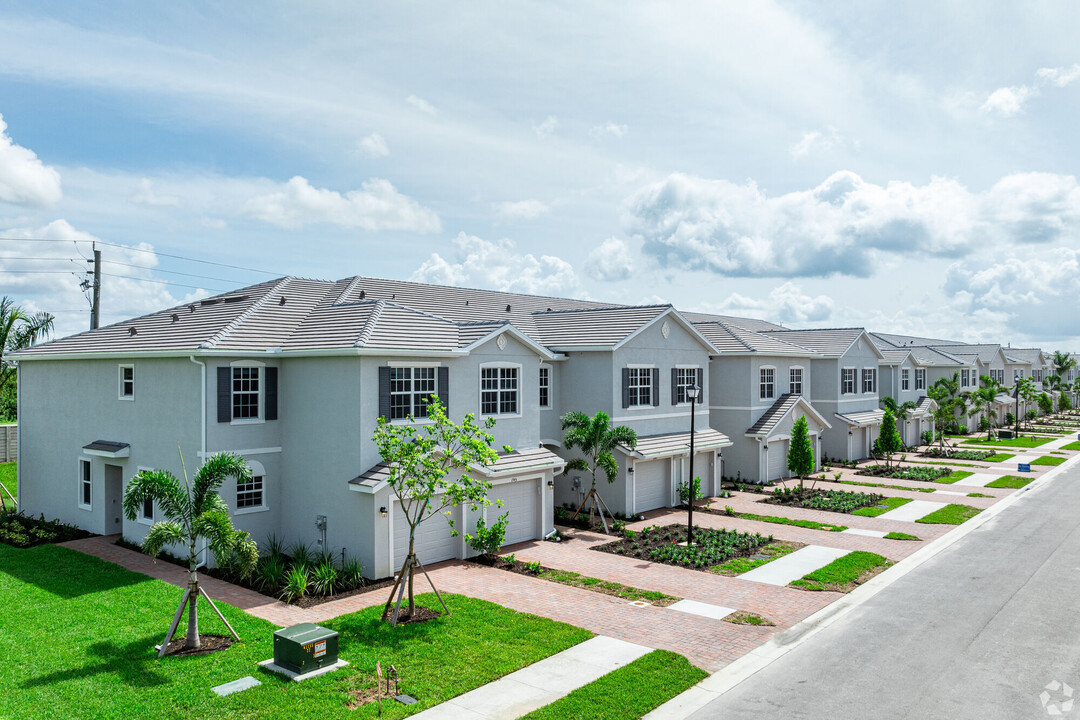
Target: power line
41	272
173	272
161	282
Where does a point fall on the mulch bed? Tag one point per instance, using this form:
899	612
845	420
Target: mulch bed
664	541
741	617
421	614
312	600
209	644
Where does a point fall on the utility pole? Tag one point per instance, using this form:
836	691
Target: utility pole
95	308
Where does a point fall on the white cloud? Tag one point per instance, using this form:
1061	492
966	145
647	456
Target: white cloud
1059	76
521	210
610	261
374	146
421	104
144	195
816	140
377	205
1007	101
786	303
24	179
609	129
499	266
844	225
547	127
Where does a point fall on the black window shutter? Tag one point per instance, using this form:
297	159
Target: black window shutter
271	393
656	387
384	392
674	386
224	394
444	388
626	387
701	384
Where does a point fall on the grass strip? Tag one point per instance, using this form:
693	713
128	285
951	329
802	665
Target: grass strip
945	461
627	692
1000	457
573	579
1072	446
1023	442
844	573
808	524
737	566
951	514
957	475
900	536
1011	482
887	504
742	617
8	480
1048	460
978	495
891	487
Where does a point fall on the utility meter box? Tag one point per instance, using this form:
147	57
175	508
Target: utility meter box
305	648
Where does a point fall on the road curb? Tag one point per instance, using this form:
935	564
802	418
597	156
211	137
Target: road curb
712	687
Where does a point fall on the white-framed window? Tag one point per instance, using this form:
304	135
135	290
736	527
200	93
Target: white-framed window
246	392
86	485
795	378
639	386
685	378
847	381
411	389
767	383
869	380
966	378
905	379
1018	374
499	390
127	382
545	386
250	494
920	378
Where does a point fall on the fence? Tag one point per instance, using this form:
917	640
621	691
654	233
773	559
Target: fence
9	443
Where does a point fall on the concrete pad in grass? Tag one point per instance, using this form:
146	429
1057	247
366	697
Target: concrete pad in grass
717	612
794	566
912	511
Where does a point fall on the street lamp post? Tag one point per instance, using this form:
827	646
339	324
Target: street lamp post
692	393
1016	397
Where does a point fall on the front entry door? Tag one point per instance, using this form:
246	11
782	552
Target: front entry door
114	489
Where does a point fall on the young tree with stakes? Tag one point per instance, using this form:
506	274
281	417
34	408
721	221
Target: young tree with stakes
596	438
193	510
800	455
428	468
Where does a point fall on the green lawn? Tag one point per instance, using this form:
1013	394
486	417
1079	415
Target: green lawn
957	475
887	504
78	636
1025	441
628	692
738	566
841	574
626	592
1000	457
900	536
808	524
1072	446
951	514
7	479
1048	460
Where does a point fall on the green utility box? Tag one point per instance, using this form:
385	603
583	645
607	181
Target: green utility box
305	647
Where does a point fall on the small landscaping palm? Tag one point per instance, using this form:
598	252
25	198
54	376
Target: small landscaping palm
982	402
193	510
597	438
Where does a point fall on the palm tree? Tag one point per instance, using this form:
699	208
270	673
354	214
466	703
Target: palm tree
597	438
18	331
193	510
1028	394
943	415
982	400
1063	363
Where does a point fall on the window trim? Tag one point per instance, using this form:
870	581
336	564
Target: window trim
697	370
802	379
854	381
550	404
641	366
81	482
762	382
120	389
261	367
257	470
905	379
480	389
140	518
862	378
421	420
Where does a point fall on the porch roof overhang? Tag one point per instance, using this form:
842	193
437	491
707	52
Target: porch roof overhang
108	448
924	408
672	444
519	462
780	409
862	419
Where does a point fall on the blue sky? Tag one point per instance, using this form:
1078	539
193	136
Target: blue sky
908	169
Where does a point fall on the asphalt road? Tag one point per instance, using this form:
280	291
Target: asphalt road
978	631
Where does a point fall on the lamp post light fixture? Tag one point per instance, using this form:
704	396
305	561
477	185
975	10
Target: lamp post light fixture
692	393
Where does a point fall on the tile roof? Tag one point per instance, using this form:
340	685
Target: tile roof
827	341
737	339
519	461
924	407
987	352
774	414
1025	355
930	357
897	341
748	323
594	326
858	419
894	356
659	446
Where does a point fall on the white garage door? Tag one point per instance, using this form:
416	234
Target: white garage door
433	540
652	486
520	501
778	459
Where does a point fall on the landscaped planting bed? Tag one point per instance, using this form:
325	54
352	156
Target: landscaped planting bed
565	516
8	480
937	452
833	500
711	546
924	474
21	531
886	504
772	551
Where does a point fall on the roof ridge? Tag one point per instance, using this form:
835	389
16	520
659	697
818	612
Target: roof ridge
239	319
348	290
603	309
370	323
483	290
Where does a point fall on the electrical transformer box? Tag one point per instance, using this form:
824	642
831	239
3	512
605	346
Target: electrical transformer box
305	647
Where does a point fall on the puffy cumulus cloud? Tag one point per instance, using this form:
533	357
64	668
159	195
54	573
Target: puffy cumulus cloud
377	205
547	127
144	194
844	225
1059	76
1007	101
421	104
1034	295
521	210
24	179
499	266
609	129
786	303
374	146
610	261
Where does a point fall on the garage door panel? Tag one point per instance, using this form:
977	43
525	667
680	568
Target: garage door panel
520	502
777	453
652	485
433	539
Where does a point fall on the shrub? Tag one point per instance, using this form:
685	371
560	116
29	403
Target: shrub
296	583
684	491
534	567
301	554
352	574
834	500
488	540
21	531
324	578
618	525
926	474
927	437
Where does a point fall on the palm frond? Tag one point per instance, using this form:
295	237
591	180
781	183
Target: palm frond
217	528
162	487
577	464
622	435
606	462
162	534
213	473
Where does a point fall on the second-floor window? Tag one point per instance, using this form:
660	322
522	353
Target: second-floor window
639	386
847	381
411	388
245	393
920	379
795	384
545	387
905	379
869	380
767	383
499	390
965	378
127	382
685	378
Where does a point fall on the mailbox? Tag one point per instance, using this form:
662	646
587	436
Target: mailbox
305	647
